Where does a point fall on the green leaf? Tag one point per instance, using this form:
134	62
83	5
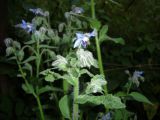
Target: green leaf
139	97
122	114
117	40
31	58
95	86
16	44
9	51
12	58
64	107
28	67
46	46
109	101
120	94
69	79
95	24
20	55
47	88
49	78
85	71
61	27
102	33
28	88
30	42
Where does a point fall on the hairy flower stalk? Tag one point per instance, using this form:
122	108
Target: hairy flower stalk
100	63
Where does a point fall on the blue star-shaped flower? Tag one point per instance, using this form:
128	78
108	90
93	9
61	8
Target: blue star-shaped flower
29	27
137	74
82	40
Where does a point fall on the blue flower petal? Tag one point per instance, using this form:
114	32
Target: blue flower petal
77	43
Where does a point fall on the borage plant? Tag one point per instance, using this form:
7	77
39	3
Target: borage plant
72	64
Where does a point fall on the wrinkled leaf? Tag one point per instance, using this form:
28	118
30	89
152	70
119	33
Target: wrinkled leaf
109	101
49	78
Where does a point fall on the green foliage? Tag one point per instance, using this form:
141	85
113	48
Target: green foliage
64	107
109	101
49	65
139	97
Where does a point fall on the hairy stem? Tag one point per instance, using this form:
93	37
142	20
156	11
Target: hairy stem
40	107
100	63
75	105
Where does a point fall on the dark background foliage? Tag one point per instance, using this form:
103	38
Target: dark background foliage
137	21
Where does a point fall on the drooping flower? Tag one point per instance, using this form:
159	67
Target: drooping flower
77	10
29	27
137	75
39	11
82	40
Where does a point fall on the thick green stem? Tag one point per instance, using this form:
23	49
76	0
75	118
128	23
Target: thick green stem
75	105
100	63
99	56
40	107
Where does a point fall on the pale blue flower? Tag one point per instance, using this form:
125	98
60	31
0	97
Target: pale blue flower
39	11
137	74
82	40
29	27
108	116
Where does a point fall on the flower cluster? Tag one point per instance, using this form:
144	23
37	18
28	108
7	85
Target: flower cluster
82	40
